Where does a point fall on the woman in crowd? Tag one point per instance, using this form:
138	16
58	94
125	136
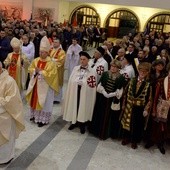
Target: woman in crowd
136	106
165	56
105	121
161	117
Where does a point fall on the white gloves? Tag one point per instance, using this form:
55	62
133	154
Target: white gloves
108	95
100	88
145	113
80	82
112	94
119	93
105	94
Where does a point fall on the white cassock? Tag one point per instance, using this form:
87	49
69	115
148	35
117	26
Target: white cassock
29	51
128	71
87	80
11	116
99	67
72	57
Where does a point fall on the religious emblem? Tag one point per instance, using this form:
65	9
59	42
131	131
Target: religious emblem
100	70
91	81
125	75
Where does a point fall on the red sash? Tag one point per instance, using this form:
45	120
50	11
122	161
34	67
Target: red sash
34	99
12	69
56	56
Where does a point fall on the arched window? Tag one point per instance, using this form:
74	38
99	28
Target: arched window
85	15
159	23
121	22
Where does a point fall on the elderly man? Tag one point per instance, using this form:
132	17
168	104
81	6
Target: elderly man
120	54
58	55
17	64
43	85
11	116
98	63
80	94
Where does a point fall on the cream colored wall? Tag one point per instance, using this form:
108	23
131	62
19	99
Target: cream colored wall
163	4
27	9
2	2
103	10
63	11
48	4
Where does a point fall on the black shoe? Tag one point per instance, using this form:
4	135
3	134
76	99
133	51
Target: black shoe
32	119
149	144
125	141
6	163
134	145
161	149
41	124
82	130
72	126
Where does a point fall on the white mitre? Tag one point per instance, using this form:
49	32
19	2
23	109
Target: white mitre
45	44
15	42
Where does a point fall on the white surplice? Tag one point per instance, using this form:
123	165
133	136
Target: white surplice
72	57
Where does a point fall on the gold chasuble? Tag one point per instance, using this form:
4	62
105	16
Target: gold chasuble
17	65
58	55
38	87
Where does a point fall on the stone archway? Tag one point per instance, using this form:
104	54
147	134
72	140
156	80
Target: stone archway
85	15
121	22
159	22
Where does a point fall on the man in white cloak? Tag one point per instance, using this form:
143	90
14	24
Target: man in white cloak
80	95
98	63
11	116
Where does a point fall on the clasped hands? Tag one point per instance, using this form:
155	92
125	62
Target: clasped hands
37	71
108	95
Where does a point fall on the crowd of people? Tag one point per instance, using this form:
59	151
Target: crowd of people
121	92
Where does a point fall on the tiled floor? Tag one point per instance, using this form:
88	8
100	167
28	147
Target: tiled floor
53	147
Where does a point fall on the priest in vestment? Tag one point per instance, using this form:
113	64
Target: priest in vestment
80	95
58	55
11	116
72	56
17	65
43	85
